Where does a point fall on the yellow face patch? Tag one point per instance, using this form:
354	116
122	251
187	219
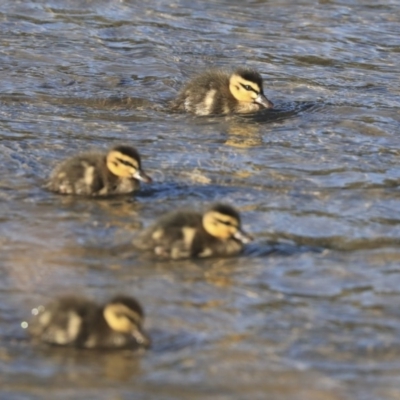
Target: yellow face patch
122	165
220	225
242	89
121	318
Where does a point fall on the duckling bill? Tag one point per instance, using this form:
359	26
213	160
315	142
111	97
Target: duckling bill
98	174
219	92
79	322
186	234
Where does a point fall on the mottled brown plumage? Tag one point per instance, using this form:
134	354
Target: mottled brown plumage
220	92
79	322
185	234
99	174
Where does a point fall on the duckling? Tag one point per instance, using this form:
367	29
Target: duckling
185	234
219	92
79	322
97	174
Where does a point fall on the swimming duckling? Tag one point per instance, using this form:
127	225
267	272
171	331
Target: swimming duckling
79	322
185	234
218	92
97	174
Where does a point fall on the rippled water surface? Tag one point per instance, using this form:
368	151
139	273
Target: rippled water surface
312	309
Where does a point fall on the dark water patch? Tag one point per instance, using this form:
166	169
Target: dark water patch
280	247
339	243
283	111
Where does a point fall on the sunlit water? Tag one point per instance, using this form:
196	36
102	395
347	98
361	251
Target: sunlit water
312	309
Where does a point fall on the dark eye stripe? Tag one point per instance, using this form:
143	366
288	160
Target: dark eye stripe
131	318
125	162
227	223
249	88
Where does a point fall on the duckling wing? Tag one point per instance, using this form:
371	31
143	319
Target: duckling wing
205	94
79	175
63	322
172	236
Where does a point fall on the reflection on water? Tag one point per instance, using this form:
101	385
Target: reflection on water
310	310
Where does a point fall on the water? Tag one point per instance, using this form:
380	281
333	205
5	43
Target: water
311	310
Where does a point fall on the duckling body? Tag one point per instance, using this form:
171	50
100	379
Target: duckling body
98	174
219	92
79	322
186	234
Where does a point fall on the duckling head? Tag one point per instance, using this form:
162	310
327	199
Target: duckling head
124	162
246	86
223	222
125	315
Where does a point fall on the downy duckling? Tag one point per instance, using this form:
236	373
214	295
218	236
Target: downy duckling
185	234
79	322
98	174
218	92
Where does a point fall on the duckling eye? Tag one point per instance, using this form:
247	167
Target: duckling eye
118	315
248	88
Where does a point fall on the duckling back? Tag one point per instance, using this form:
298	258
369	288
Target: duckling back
82	174
171	236
206	94
63	322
